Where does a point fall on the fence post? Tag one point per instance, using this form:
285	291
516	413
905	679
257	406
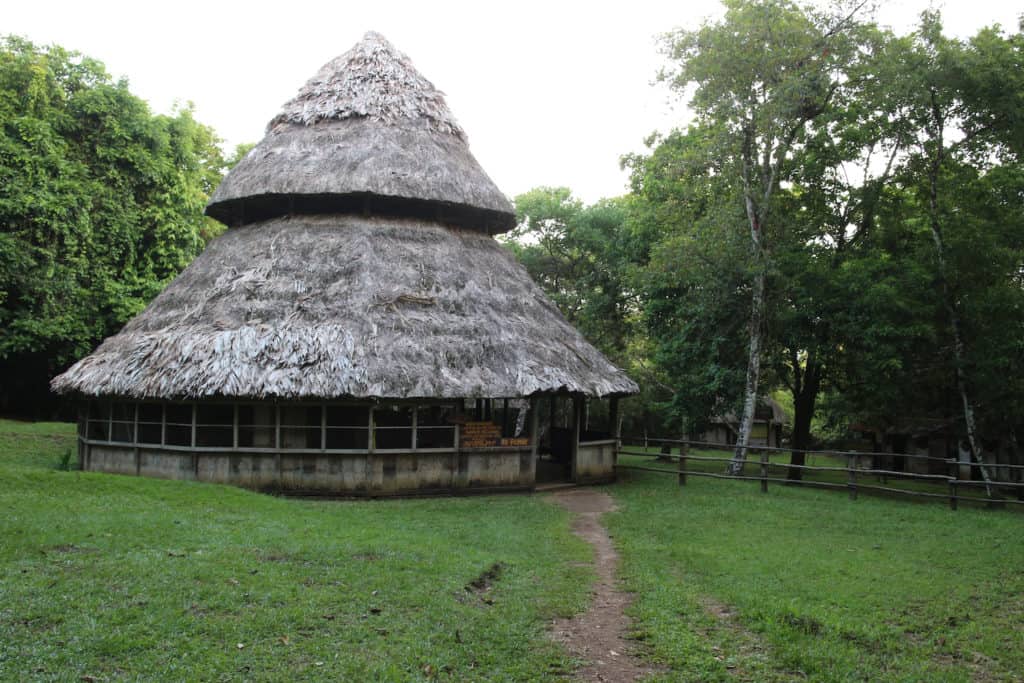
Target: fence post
954	467
764	471
853	476
682	463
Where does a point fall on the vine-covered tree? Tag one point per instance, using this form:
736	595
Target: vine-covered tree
100	206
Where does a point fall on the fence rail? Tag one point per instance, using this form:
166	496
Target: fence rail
857	476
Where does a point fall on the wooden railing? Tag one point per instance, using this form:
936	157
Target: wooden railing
845	471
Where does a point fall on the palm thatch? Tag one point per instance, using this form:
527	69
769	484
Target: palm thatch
363	267
348	306
368	125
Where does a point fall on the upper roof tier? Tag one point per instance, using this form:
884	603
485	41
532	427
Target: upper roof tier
367	134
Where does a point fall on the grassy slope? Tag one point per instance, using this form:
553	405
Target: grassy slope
819	586
112	577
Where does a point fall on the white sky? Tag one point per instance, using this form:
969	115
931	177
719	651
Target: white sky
550	93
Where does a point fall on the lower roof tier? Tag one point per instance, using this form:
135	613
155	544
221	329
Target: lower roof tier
332	306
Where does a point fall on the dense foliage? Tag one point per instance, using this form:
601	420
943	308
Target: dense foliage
100	206
887	179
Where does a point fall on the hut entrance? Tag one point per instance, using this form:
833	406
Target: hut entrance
577	439
557	437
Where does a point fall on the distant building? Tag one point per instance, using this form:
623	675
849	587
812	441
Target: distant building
769	420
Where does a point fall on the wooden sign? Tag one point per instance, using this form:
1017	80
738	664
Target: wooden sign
487	435
479	435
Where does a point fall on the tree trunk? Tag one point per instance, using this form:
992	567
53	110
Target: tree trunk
803	412
753	375
954	319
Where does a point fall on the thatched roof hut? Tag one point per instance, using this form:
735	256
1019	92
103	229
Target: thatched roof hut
359	266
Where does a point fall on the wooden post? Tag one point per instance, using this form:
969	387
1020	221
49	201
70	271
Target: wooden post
954	467
534	425
764	471
682	464
577	417
616	428
534	436
852	477
277	446
323	426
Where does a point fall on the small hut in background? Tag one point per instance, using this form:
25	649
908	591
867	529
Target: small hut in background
357	329
769	420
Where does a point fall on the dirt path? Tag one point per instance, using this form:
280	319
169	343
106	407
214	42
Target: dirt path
598	635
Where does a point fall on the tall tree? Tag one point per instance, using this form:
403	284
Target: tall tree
100	206
959	105
760	76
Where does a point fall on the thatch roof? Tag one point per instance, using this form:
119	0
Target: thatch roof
767	409
367	132
337	306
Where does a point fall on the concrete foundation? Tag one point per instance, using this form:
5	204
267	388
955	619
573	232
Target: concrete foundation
595	462
327	474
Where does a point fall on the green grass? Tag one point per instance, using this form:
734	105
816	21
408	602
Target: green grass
815	586
106	577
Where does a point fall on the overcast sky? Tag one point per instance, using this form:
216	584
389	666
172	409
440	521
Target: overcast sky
549	92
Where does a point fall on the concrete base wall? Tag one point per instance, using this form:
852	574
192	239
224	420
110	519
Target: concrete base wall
343	474
595	462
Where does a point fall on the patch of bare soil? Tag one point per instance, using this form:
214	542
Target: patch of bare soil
745	647
598	635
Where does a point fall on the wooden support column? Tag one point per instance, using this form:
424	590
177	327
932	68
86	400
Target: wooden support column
534	438
195	455
84	449
534	426
615	426
577	418
277	445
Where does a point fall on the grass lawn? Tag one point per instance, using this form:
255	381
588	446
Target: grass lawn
106	577
798	584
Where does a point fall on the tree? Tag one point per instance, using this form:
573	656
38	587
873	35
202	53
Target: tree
100	206
761	75
580	257
692	275
958	105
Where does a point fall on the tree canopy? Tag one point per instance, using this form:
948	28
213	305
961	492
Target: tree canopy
100	206
866	188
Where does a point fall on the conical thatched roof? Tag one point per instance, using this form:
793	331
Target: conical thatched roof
366	133
331	306
361	266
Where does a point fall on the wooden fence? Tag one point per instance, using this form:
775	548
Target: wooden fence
853	477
